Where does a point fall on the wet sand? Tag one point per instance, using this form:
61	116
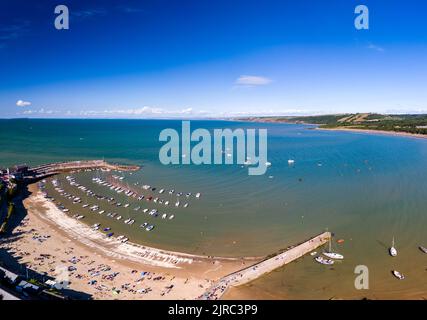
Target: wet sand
49	241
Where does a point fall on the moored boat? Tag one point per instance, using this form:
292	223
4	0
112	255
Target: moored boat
324	261
332	255
398	275
393	250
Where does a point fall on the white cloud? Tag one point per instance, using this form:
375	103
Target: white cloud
246	80
41	111
22	103
374	47
149	112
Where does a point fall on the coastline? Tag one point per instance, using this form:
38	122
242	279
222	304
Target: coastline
378	132
317	127
48	238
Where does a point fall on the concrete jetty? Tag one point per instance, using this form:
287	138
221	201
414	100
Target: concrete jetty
47	170
265	266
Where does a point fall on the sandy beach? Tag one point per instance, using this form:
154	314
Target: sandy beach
379	132
48	241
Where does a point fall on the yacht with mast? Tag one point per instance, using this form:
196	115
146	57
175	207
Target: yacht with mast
392	250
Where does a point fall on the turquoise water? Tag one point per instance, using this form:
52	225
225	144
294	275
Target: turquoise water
365	188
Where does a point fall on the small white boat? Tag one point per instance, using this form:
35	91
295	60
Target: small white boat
161	191
149	228
392	250
332	255
198	195
291	161
324	261
145	210
167	203
164	216
101	212
398	275
268	164
171	217
177	204
127	221
144	225
423	249
186	205
119	218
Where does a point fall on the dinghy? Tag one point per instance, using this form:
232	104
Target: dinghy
423	249
324	261
398	275
392	250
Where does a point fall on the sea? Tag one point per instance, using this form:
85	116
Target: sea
365	188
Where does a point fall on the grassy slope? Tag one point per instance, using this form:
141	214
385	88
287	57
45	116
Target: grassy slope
369	121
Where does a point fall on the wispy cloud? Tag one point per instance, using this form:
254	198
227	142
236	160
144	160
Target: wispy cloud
100	12
248	80
129	9
41	111
13	32
22	103
88	13
374	47
141	112
147	112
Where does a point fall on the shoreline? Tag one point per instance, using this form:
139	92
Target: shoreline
378	132
344	129
48	238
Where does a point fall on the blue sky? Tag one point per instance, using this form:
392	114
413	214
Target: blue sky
179	58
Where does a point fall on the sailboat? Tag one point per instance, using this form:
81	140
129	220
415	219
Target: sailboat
392	250
332	255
